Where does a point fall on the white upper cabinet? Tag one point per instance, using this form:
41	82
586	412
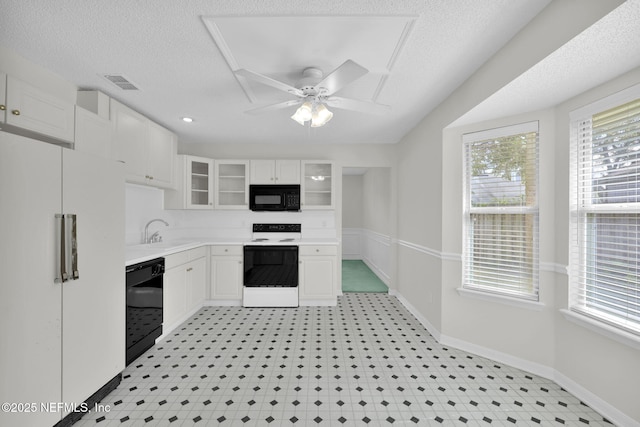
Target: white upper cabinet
147	149
29	108
93	134
232	184
317	185
195	184
162	152
275	171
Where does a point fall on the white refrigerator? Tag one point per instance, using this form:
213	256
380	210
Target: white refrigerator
60	341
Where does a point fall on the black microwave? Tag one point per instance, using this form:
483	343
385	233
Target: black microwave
274	197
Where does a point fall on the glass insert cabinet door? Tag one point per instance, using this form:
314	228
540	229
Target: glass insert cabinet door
232	184
200	183
317	191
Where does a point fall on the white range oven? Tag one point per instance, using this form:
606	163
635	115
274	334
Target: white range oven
271	266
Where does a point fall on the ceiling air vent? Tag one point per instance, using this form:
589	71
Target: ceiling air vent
120	81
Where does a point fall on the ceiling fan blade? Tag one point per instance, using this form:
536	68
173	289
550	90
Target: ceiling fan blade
260	78
355	105
340	77
274	107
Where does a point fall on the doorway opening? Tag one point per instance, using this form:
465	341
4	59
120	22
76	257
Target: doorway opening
366	229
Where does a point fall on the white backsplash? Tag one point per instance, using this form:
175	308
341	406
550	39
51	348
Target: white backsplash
146	203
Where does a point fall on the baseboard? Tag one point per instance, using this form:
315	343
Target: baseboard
503	358
430	328
381	275
598	404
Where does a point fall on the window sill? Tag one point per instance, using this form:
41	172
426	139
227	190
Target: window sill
601	328
502	299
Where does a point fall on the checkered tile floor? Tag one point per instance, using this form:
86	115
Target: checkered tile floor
367	361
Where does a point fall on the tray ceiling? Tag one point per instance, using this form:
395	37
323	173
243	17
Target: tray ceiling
181	56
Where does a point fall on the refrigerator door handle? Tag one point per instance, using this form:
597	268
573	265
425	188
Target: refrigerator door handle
71	247
61	272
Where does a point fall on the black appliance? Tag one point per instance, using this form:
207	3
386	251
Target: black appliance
144	306
270	266
279	197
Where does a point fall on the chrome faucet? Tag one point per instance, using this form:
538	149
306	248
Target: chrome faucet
148	239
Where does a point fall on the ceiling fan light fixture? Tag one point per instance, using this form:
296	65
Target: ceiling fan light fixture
304	113
321	116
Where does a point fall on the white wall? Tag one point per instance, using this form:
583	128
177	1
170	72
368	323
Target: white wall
19	67
145	203
598	363
602	371
352	201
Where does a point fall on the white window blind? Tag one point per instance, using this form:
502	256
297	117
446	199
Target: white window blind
605	231
501	211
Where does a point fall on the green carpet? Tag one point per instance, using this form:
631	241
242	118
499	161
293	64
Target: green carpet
357	277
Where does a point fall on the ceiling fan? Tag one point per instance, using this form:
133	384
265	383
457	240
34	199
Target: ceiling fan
315	92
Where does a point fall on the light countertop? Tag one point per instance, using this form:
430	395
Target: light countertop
145	252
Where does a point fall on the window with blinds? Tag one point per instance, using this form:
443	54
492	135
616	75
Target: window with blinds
501	211
605	237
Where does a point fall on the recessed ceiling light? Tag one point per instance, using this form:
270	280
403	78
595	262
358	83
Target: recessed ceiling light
187	119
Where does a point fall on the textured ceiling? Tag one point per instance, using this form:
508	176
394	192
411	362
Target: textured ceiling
165	48
605	50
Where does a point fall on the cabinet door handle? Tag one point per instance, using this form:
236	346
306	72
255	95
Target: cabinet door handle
189	269
2	107
15	112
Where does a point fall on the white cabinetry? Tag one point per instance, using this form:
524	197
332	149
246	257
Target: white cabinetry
184	286
226	273
147	149
195	189
61	342
25	107
317	275
93	134
275	171
317	185
232	184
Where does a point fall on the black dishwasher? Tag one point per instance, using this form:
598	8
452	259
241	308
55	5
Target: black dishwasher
144	306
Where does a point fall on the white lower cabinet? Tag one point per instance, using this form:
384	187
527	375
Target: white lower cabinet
174	296
196	283
226	273
317	275
184	284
